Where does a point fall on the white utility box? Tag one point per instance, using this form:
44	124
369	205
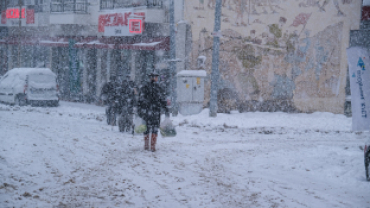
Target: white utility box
190	91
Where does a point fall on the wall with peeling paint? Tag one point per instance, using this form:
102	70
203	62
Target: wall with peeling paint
277	55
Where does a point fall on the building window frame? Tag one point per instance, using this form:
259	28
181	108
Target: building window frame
74	6
119	4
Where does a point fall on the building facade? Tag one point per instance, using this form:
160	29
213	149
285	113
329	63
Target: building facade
277	55
85	42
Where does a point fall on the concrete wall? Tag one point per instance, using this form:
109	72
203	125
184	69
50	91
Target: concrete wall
278	50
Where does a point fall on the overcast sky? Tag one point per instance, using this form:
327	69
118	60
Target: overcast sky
367	2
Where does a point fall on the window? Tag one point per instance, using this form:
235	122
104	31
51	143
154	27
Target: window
113	4
37	5
69	6
14	3
365	10
29	2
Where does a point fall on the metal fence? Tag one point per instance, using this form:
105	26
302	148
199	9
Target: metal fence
113	4
79	6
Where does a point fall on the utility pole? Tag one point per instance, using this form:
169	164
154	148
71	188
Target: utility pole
19	33
173	71
215	60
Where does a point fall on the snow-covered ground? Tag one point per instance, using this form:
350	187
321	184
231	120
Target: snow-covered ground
69	157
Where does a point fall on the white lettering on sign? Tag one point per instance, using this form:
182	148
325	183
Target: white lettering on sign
121	24
359	72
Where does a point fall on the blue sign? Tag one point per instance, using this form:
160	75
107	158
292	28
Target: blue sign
361	64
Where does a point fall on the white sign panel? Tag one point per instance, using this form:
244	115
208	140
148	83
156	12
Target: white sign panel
122	23
359	72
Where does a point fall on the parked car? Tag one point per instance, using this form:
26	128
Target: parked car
35	86
367	159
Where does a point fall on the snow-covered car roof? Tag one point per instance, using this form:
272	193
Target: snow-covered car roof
23	72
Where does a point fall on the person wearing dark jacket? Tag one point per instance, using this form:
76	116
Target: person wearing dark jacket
151	102
127	106
109	96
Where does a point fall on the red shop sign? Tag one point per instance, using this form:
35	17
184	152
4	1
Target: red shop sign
135	26
14	13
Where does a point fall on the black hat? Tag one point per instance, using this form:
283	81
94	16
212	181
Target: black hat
154	74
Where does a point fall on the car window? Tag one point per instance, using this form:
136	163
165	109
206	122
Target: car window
41	81
41	78
7	81
2	78
17	80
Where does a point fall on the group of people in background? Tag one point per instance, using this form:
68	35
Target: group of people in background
123	99
119	97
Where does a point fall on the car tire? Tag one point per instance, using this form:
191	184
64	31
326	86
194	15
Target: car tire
19	100
16	101
33	103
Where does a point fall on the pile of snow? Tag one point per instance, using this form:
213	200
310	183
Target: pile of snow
75	110
318	121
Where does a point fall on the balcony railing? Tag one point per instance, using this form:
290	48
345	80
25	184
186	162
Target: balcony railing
39	7
117	4
77	6
42	8
13	3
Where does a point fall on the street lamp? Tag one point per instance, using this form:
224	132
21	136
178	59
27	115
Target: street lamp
215	61
19	33
173	57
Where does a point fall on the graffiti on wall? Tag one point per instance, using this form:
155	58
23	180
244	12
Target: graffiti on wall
266	64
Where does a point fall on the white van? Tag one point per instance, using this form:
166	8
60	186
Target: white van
35	86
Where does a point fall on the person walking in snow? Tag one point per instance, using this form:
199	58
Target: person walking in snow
127	106
110	97
151	102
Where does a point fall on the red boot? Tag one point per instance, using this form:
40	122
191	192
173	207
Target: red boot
154	141
146	140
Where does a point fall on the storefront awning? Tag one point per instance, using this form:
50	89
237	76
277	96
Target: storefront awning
158	43
54	42
14	40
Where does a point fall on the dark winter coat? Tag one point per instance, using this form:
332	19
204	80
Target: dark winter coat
108	92
151	101
112	95
127	97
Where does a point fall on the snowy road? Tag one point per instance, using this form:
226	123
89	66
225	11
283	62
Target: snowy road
69	157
